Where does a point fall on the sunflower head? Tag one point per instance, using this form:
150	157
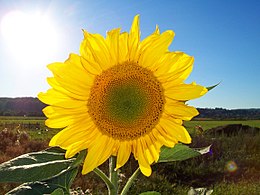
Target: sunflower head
119	96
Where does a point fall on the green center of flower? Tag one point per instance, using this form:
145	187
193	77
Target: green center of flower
126	101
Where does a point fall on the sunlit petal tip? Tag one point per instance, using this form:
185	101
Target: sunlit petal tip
46	110
204	91
53	67
157	30
86	170
195	113
187	139
191	59
52	143
68	153
113	31
146	170
73	58
171	33
85	33
40	95
135	25
43	97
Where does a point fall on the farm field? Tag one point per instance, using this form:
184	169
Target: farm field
207	124
232	167
190	125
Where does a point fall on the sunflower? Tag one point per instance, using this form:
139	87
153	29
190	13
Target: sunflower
120	96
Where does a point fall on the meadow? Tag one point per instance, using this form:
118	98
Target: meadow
232	166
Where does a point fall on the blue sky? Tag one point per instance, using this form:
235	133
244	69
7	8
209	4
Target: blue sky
222	35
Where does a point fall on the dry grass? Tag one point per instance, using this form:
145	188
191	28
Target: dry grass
15	143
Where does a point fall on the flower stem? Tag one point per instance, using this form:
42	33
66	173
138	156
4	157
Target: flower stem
130	182
113	175
103	176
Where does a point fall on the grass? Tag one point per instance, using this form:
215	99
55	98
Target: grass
41	132
213	170
20	119
208	171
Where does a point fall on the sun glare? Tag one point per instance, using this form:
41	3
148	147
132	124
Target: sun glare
30	37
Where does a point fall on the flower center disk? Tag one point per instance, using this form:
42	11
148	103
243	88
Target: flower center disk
126	101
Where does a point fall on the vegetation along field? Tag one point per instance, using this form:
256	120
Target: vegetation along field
231	167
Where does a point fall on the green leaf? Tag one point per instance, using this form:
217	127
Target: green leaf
150	193
212	87
80	158
56	186
36	166
180	152
58	191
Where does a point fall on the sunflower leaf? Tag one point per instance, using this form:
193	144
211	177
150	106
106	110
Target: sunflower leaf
58	191
80	158
56	186
180	152
35	166
212	87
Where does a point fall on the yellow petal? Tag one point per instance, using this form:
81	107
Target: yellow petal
175	68
134	148
151	145
143	163
98	48
72	78
58	88
62	122
180	110
75	148
123	155
153	47
164	137
167	61
175	130
55	98
134	39
144	44
91	66
98	153
157	30
113	45
146	150
185	92
73	133
57	115
57	112
123	48
108	150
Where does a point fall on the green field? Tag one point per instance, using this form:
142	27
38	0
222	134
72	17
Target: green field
190	125
39	132
207	124
208	171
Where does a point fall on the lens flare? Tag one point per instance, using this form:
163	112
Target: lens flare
231	166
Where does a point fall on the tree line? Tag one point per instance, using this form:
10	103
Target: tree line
22	106
29	106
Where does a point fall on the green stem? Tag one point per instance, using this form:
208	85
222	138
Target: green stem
113	175
130	182
103	176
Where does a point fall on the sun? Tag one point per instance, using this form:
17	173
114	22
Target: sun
29	37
